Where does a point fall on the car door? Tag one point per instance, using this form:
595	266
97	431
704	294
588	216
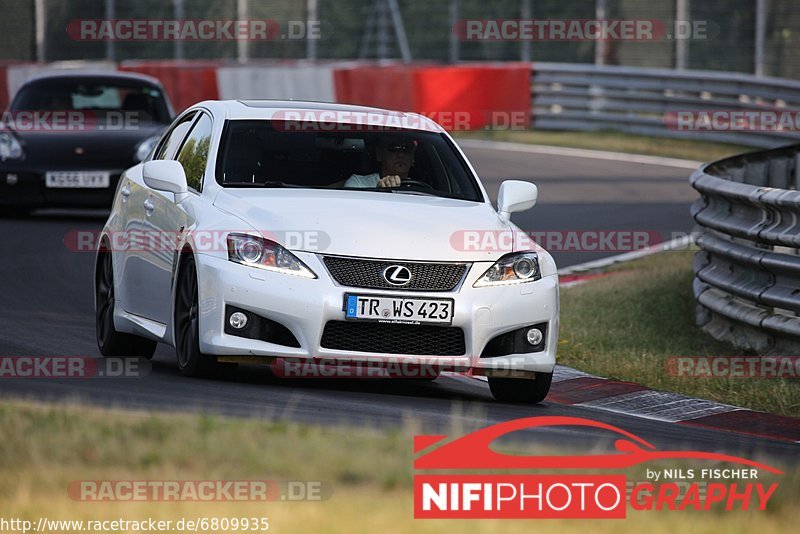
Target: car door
143	242
167	218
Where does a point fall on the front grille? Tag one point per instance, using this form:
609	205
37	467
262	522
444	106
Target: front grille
369	273
423	340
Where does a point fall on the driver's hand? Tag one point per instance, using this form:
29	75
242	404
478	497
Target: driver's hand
389	181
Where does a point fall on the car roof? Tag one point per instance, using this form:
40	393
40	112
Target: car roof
71	75
327	112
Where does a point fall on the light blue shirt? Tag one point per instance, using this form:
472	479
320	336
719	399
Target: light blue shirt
363	180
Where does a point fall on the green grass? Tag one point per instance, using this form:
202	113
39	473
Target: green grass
626	326
614	142
369	474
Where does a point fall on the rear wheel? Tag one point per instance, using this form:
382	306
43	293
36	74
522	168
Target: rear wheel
110	342
521	390
192	362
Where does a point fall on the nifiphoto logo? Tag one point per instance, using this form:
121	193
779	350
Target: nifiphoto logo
440	493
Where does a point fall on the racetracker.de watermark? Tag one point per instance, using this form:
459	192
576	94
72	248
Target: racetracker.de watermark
374	121
72	367
583	29
734	366
554	240
387	367
192	29
56	121
767	120
203	240
198	490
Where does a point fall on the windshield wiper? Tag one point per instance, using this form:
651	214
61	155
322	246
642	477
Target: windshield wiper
413	192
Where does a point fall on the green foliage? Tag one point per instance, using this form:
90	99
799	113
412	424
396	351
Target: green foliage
629	325
193	157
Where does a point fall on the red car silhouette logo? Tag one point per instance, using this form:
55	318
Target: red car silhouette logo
473	450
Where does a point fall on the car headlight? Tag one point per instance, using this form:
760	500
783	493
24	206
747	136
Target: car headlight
265	254
143	149
9	147
515	268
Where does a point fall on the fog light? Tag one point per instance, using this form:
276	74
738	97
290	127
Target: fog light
12	179
534	336
238	320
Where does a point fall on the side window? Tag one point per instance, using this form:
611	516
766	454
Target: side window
194	153
170	145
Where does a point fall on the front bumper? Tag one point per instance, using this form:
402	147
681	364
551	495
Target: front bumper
304	306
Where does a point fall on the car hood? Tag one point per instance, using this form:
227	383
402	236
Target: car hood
367	224
90	149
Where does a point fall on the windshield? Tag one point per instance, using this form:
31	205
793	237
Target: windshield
102	99
262	153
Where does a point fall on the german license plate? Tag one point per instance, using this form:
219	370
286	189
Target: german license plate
78	179
409	310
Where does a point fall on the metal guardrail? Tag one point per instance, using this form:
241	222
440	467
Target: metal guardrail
747	272
637	100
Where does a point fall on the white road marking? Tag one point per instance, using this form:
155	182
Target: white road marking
580	153
562	372
679	243
659	405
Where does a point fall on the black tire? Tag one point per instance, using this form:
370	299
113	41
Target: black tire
521	390
192	362
110	342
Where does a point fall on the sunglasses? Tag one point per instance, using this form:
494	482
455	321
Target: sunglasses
400	148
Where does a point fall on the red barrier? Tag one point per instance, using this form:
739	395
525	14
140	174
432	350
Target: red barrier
4	87
381	87
458	97
463	97
186	82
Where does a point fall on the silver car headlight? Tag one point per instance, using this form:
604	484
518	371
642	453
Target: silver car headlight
515	268
143	149
9	147
265	254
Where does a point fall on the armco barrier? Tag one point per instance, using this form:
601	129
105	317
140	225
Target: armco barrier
747	272
570	96
461	97
186	82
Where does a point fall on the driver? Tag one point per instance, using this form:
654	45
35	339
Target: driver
396	157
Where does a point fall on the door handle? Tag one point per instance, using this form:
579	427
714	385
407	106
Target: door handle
149	206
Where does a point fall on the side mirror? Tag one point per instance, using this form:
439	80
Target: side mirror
165	175
516	195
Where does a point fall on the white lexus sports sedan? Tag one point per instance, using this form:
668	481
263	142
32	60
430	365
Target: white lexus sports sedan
265	231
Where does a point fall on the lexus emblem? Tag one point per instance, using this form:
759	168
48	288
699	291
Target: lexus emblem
397	275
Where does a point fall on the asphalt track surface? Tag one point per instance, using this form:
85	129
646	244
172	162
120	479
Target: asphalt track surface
47	310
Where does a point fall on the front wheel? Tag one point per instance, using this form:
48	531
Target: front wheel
521	390
110	342
192	362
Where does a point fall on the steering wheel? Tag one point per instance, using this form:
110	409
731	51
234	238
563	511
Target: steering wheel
415	182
